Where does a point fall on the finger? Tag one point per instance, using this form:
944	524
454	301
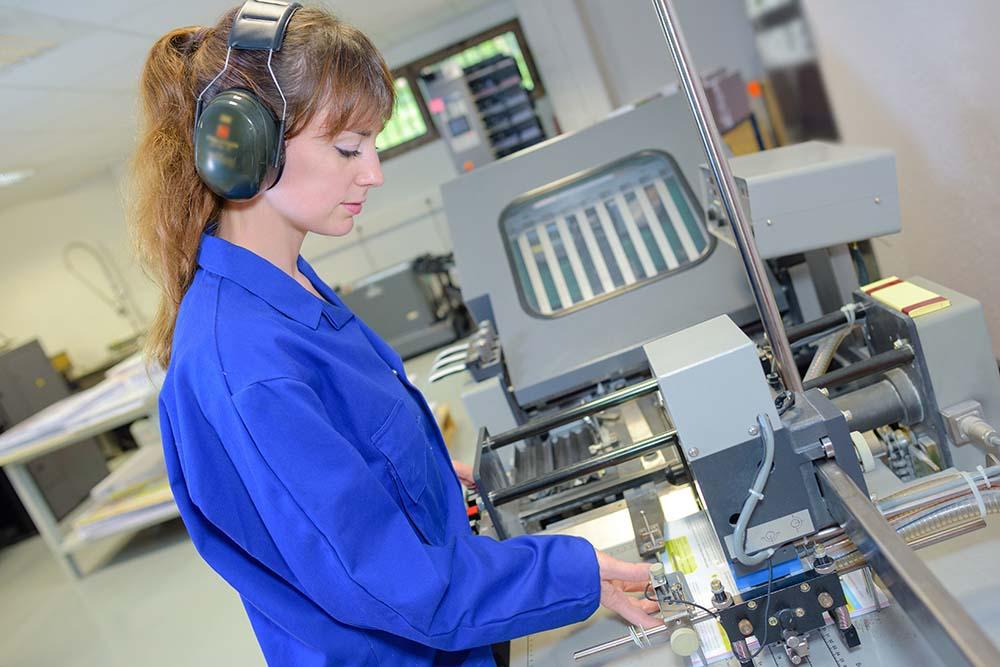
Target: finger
647	606
633	614
634	586
612	568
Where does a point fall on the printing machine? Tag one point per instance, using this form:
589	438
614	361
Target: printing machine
644	318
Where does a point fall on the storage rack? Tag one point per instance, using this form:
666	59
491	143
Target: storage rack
504	105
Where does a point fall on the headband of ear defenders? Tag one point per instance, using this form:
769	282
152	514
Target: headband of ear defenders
238	142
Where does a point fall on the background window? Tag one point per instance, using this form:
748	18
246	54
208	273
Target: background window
502	44
407	122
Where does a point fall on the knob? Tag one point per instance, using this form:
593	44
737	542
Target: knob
684	641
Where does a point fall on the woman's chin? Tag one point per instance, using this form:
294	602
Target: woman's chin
338	226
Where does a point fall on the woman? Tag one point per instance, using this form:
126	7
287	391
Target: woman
308	470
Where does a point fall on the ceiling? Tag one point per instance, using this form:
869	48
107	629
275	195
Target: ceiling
69	70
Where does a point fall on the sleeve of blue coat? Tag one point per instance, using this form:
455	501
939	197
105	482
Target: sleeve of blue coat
356	555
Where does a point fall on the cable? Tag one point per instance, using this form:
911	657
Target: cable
767	606
645	594
755	495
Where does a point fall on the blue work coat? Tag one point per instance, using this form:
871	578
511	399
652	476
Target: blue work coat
312	477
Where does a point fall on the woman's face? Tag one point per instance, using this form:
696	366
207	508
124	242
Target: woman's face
325	182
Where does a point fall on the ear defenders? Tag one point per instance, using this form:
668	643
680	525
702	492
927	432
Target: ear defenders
239	144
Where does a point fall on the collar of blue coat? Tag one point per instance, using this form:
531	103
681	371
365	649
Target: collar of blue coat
277	288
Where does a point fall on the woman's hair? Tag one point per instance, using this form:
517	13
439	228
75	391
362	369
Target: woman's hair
325	66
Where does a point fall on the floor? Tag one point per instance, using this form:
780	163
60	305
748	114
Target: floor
154	601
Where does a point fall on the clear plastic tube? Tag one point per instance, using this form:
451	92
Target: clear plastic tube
934	522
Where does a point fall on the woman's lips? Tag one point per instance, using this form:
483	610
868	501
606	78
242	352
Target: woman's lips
353	207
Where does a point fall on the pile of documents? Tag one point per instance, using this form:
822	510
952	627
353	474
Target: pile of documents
129	386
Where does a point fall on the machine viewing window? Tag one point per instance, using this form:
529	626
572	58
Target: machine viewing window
603	232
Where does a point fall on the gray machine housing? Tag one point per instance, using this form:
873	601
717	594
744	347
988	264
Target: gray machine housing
953	366
396	303
714	387
810	195
554	356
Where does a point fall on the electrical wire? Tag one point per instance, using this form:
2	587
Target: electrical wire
767	606
645	594
755	494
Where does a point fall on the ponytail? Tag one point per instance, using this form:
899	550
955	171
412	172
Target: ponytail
170	206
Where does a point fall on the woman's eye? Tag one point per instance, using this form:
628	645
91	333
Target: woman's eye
348	154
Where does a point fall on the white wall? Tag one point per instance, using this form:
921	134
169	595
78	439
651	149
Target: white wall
632	52
40	298
922	81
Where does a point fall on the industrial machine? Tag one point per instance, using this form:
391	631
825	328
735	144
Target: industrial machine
637	372
414	305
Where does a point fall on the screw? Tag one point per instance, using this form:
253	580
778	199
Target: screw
745	627
800	612
819	550
753	430
751	605
716	585
878	200
693	452
848	415
804	588
770	222
825	600
772	621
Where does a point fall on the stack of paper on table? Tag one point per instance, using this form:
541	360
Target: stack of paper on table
153	499
128	386
141	467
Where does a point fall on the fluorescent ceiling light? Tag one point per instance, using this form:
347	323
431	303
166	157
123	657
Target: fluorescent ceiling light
12	177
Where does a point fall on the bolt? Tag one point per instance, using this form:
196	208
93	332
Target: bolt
848	415
878	200
770	222
824	391
753	430
716	584
804	588
772	621
693	452
799	612
745	627
751	605
825	600
819	550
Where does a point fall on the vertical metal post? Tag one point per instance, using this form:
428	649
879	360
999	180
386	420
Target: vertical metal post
766	305
41	514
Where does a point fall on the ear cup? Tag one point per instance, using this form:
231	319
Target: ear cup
237	145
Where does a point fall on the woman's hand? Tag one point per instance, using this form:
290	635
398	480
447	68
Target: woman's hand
464	472
619	578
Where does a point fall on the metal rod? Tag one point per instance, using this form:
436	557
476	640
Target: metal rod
877	364
573	414
825	323
766	305
628	639
582	468
950	631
